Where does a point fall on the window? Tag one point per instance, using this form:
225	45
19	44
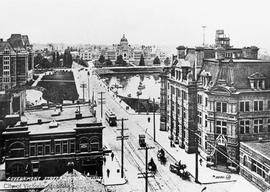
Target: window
221	127
205	121
221	107
184	112
268	104
72	146
177	92
199	99
205	143
16	149
184	95
206	102
65	147
57	147
268	125
40	149
33	150
224	107
84	145
259	168
245	160
47	149
218	107
172	90
200	117
258	125
258	105
94	145
244	127
244	106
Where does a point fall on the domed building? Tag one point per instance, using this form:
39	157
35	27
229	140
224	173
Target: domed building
124	48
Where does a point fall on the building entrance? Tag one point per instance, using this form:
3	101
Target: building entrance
221	154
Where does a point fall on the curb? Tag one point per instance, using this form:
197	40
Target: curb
201	183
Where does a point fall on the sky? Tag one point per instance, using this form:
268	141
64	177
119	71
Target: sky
148	22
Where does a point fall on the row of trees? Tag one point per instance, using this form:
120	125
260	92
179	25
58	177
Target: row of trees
121	62
53	59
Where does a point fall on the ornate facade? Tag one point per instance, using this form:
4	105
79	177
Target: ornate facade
218	97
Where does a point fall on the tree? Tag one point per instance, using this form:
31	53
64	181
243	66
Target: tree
156	61
67	58
108	62
57	59
37	60
120	61
101	59
142	63
167	61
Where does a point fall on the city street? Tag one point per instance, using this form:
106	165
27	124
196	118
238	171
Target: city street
134	163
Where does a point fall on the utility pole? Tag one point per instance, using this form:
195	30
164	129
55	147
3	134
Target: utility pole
88	74
145	174
154	119
122	138
101	103
83	86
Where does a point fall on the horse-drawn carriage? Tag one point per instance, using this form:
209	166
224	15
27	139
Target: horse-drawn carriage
161	156
179	169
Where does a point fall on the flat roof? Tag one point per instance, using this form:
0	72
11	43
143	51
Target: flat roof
261	147
66	120
46	115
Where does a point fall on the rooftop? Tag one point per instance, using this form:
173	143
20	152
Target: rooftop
66	120
261	147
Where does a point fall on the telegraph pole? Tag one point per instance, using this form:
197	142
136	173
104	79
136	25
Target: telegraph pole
88	74
145	174
101	103
122	138
154	119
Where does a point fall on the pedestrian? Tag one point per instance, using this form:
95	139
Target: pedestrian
112	155
108	172
201	161
104	159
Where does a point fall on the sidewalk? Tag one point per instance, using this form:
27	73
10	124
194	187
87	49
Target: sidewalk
114	176
205	175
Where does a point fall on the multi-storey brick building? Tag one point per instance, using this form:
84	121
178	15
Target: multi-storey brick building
16	62
42	147
221	94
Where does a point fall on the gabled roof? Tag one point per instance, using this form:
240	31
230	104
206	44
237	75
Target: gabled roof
5	44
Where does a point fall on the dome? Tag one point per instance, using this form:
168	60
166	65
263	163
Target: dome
123	39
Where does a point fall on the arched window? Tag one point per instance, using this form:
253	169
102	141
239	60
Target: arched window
16	149
245	160
94	144
84	145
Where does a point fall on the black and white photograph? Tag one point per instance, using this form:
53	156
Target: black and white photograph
134	96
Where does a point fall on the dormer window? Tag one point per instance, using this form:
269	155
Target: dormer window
257	81
6	51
